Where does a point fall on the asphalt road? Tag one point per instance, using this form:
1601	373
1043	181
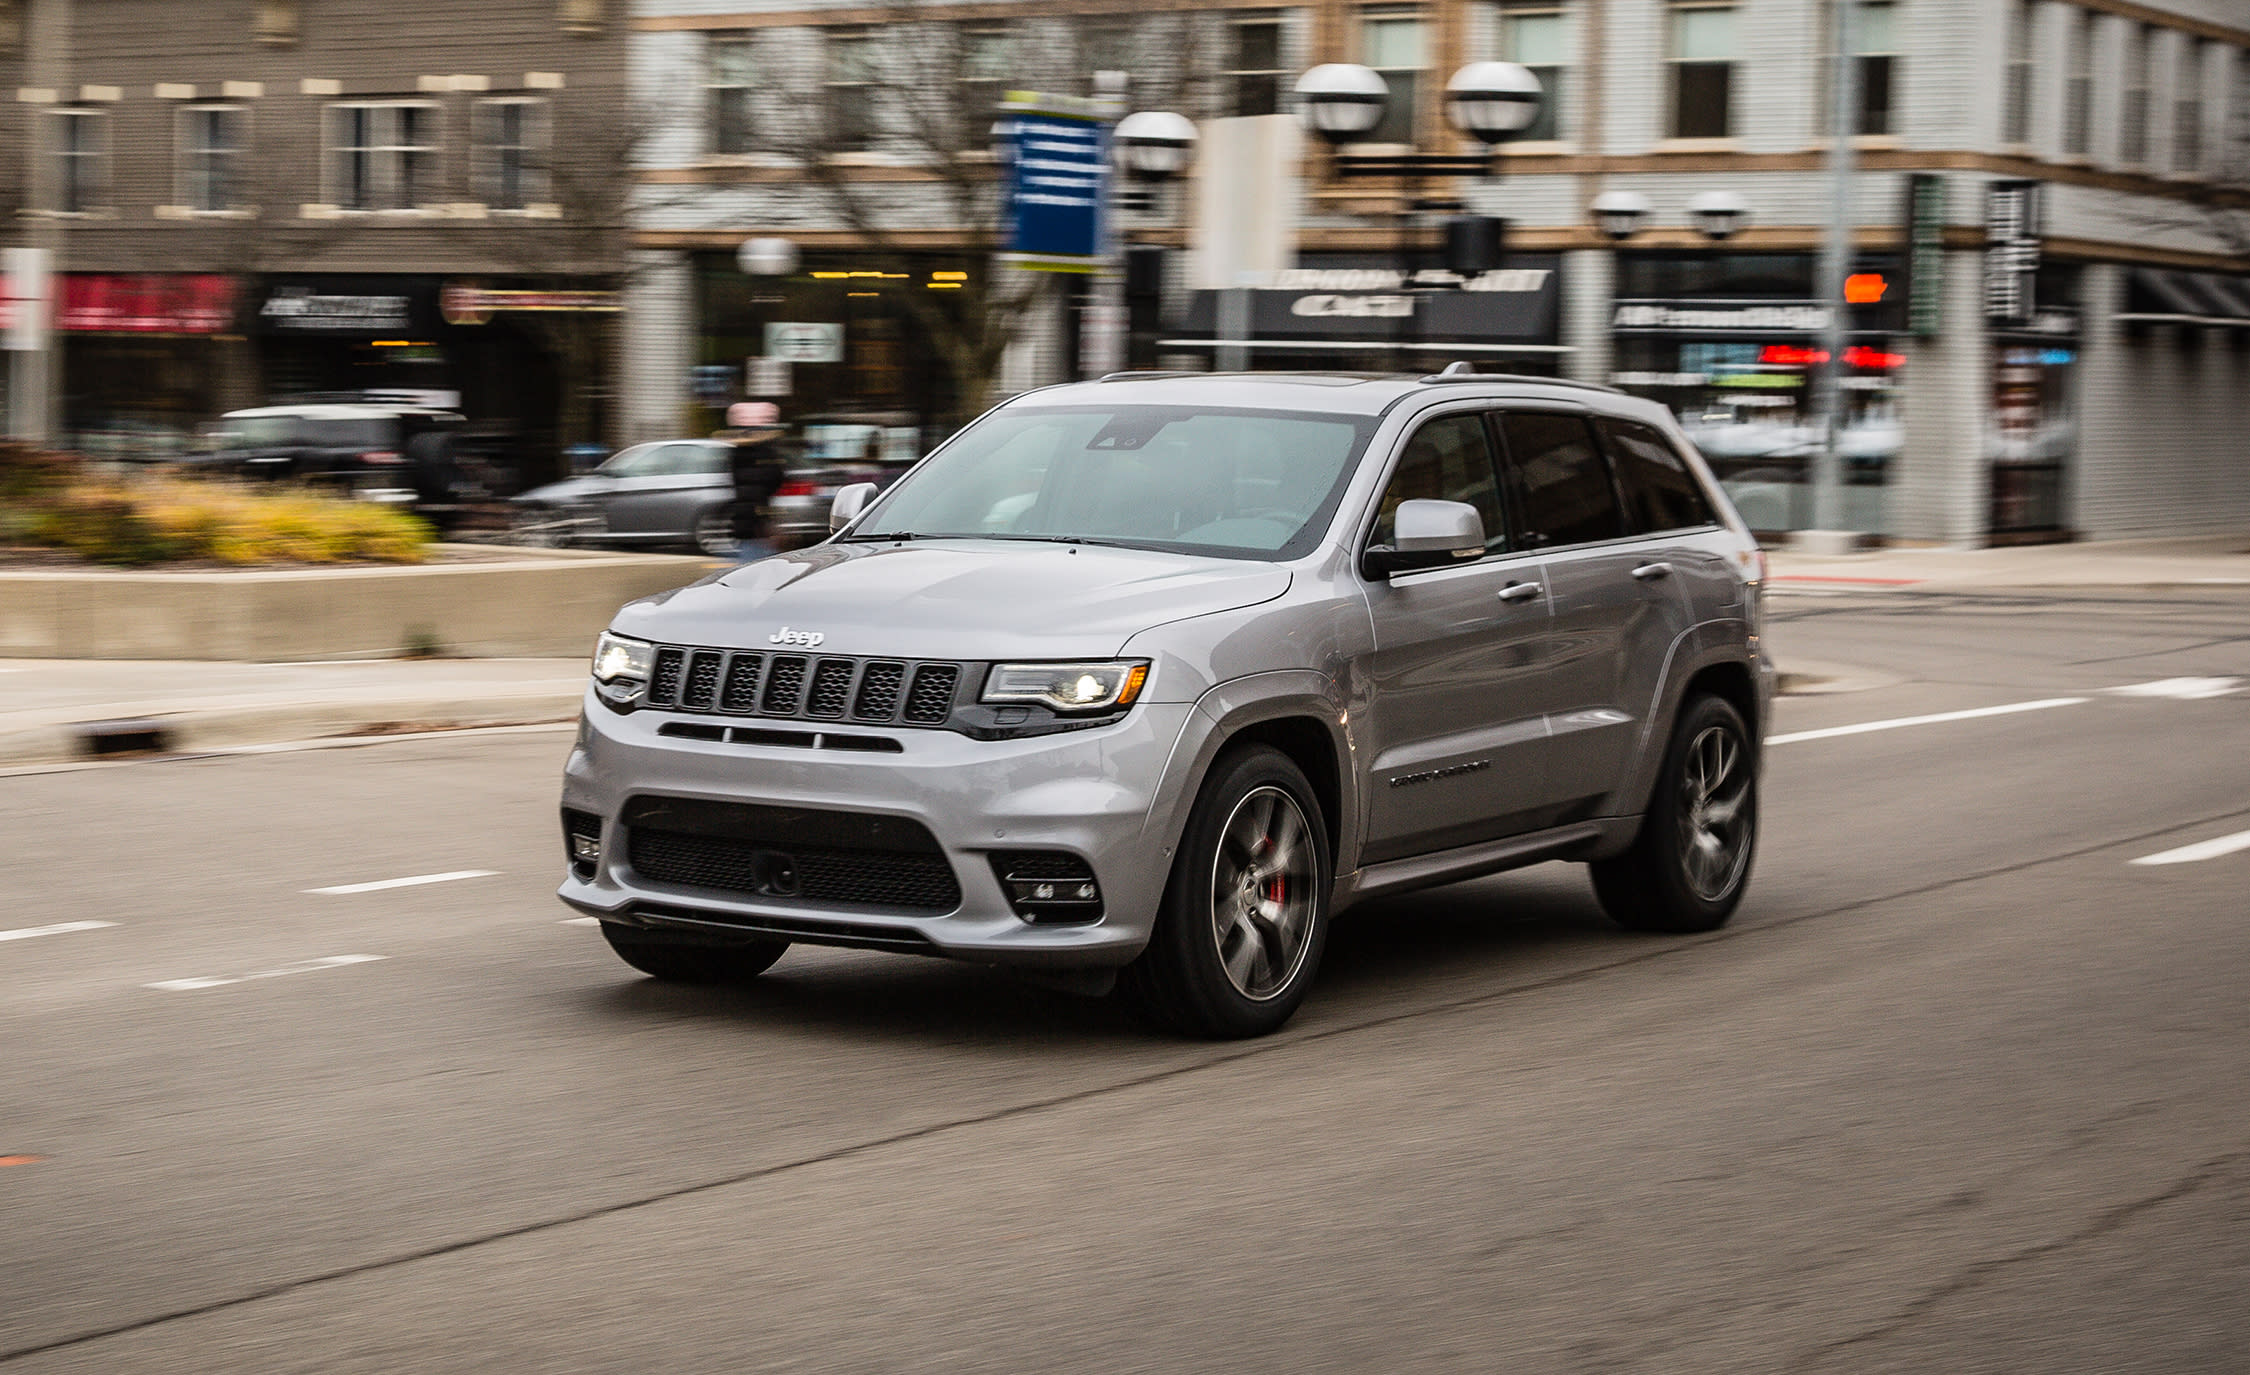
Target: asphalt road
1961	1088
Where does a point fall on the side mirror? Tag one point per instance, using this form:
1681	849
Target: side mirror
1427	534
850	501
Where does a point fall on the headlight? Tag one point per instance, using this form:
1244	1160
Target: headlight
621	668
1067	687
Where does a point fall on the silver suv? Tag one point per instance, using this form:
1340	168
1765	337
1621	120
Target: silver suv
1155	675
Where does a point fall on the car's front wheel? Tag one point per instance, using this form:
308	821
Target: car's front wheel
692	962
1245	914
1689	865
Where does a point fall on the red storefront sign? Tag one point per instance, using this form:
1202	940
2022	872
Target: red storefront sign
145	303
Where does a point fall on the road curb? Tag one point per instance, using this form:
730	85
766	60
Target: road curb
191	730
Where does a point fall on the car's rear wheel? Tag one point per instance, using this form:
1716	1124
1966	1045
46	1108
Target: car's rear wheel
714	532
679	961
1689	865
1239	937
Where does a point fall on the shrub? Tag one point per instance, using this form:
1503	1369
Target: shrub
162	519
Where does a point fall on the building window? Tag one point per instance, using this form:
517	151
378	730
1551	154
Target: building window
211	144
511	151
2187	108
849	89
1255	79
2078	90
2015	115
1703	55
2132	121
275	22
1395	44
1875	43
382	156
581	16
1109	44
730	76
1535	34
986	51
81	139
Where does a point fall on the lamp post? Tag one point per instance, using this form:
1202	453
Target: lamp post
1620	214
1152	148
1718	215
1491	102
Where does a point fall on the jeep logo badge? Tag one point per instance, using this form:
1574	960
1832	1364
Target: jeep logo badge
810	639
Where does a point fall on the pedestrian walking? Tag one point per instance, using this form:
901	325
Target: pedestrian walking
759	462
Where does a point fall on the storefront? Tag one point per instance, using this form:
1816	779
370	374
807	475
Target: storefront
1361	313
147	359
1733	344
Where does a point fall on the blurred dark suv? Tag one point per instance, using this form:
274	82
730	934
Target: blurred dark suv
393	452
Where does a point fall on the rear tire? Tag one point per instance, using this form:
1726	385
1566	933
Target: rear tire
1691	861
692	962
1245	915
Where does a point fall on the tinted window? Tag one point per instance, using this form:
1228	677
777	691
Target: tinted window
1564	484
1449	459
1660	492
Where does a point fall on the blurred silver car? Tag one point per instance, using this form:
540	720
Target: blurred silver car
675	491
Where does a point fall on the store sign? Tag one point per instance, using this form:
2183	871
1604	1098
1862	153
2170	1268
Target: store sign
338	306
145	303
1723	317
1378	306
2011	249
765	377
1925	254
804	342
474	305
1058	178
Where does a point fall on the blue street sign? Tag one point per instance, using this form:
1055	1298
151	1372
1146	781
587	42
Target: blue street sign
1058	174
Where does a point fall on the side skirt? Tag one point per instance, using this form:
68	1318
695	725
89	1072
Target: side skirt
1579	840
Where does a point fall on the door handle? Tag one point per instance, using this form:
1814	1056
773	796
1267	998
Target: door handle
1650	572
1520	591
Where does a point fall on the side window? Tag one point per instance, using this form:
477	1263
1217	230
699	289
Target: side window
1448	459
706	459
1660	492
1561	479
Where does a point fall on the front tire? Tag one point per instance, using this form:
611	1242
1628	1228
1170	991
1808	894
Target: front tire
1691	861
1245	913
692	962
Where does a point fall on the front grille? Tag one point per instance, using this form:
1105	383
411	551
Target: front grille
875	878
823	687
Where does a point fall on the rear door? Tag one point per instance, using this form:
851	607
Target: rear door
659	498
1667	507
1616	611
1457	743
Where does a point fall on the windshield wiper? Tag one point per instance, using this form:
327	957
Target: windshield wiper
870	539
1059	539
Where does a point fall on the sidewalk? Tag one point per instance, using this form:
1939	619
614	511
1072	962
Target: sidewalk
49	708
2210	560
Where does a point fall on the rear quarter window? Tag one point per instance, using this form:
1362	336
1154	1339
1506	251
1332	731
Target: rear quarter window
1660	491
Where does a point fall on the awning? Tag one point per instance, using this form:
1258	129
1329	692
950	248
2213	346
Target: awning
2163	296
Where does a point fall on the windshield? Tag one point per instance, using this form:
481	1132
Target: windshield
274	431
1230	482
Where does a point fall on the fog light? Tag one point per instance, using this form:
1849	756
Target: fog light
1048	886
586	849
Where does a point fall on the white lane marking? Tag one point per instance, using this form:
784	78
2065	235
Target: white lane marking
1865	726
415	882
2182	689
24	933
2201	850
581	921
300	967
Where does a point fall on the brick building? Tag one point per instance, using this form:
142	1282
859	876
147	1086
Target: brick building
2076	379
246	199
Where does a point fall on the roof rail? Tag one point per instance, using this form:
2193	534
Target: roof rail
1134	376
1464	371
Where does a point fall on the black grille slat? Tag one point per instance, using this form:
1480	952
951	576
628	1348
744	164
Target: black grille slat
831	688
785	685
930	701
872	878
878	694
741	691
700	690
664	681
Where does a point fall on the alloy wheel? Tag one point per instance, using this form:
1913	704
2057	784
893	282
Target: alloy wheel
1715	809
1264	882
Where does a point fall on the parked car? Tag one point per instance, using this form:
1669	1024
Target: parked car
1157	674
675	491
394	452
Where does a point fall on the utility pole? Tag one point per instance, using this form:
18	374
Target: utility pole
33	362
1828	529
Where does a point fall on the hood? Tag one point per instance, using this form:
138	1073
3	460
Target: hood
953	599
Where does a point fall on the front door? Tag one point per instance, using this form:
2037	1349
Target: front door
660	499
1457	742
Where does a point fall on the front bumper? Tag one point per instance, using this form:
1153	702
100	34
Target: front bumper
1089	793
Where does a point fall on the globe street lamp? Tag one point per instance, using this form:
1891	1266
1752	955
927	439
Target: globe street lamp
1153	147
1492	102
1718	215
1620	214
1342	101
